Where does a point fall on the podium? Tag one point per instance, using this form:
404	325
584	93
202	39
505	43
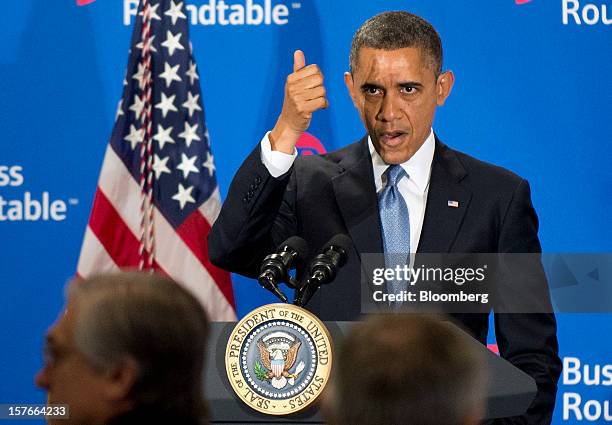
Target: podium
509	390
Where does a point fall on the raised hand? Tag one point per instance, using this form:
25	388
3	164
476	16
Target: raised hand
304	94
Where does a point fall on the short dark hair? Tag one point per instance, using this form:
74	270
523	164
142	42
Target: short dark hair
397	30
402	368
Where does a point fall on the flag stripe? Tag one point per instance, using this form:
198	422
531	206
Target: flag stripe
98	261
212	207
194	233
116	238
121	189
188	270
112	232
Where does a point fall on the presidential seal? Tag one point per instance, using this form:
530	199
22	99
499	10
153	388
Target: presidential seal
278	359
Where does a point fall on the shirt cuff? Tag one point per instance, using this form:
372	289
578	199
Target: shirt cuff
277	163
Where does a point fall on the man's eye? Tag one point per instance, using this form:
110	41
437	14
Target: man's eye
48	355
408	89
51	355
371	91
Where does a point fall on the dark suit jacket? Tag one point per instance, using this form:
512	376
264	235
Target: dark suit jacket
335	193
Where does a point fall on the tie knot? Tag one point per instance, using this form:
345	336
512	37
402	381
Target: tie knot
394	174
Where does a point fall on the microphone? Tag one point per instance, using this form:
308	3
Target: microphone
324	267
275	267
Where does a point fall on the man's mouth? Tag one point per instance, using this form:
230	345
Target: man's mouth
391	138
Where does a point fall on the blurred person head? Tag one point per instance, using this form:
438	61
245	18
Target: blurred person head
406	369
396	81
128	348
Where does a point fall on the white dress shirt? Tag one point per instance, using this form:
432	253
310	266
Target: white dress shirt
277	163
414	188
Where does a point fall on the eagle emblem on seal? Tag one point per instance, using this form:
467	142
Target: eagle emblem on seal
278	352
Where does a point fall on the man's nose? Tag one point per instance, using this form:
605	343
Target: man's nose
389	109
42	378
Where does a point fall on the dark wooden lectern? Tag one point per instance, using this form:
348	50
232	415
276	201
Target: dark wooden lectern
509	392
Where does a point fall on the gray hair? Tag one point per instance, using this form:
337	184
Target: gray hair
398	30
406	368
152	320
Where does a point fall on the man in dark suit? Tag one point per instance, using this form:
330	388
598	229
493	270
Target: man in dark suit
399	189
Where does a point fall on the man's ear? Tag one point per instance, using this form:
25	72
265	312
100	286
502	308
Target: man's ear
444	85
348	80
120	379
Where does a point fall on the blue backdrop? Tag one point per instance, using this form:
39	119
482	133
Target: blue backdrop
532	94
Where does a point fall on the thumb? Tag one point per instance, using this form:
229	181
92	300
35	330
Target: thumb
299	61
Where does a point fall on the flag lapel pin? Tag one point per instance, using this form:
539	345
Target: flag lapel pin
453	204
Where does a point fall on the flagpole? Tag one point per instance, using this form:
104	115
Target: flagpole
147	241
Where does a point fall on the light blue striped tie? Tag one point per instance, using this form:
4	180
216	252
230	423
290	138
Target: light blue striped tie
395	222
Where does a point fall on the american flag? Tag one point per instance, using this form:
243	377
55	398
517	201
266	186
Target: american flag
157	195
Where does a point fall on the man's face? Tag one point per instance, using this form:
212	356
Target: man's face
396	93
68	377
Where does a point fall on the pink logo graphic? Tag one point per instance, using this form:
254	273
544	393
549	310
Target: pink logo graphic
309	145
521	1
84	2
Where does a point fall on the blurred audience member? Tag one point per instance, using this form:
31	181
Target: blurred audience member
127	349
406	369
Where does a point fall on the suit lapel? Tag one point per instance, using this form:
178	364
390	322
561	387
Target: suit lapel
356	198
447	202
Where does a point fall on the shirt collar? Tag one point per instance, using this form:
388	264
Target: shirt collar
418	167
